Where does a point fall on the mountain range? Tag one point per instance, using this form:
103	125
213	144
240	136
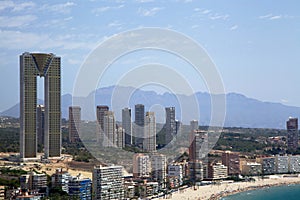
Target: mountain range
241	111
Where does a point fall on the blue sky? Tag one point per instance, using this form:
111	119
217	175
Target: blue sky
254	44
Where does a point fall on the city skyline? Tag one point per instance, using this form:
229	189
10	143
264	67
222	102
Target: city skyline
245	46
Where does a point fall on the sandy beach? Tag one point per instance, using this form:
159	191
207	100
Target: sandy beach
213	192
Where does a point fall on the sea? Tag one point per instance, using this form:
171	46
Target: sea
286	192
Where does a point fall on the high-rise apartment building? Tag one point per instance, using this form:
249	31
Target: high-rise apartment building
108	182
100	115
196	173
159	168
198	145
170	124
127	125
149	141
139	123
47	66
292	133
109	128
119	138
40	125
232	161
141	166
194	125
74	123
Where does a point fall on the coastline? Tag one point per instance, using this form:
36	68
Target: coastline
216	192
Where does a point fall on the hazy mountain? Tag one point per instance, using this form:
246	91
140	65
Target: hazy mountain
241	111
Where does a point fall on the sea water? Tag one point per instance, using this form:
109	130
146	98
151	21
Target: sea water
286	192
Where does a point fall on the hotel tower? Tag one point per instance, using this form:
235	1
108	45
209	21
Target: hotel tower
47	66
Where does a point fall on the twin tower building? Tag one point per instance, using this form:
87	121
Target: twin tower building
32	67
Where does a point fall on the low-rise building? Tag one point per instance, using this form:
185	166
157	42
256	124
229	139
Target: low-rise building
61	179
282	164
217	171
175	174
251	169
294	164
80	188
268	165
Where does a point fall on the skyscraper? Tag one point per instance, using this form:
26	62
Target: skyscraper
139	110
40	126
109	128
149	142
127	125
100	119
100	115
48	66
170	124
198	145
292	133
194	125
108	182
119	137
74	123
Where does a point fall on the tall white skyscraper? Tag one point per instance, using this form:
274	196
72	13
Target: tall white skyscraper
149	142
47	66
109	128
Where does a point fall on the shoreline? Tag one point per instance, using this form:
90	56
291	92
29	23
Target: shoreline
216	192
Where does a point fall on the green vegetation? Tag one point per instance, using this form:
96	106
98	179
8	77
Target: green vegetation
10	177
9	138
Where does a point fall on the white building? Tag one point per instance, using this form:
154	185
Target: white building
108	182
282	164
294	164
158	168
141	166
217	171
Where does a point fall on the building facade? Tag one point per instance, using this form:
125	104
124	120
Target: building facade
217	171
141	166
232	161
127	125
108	183
61	179
149	141
48	66
74	123
159	169
109	128
170	124
175	174
80	188
40	126
282	164
138	129
292	134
